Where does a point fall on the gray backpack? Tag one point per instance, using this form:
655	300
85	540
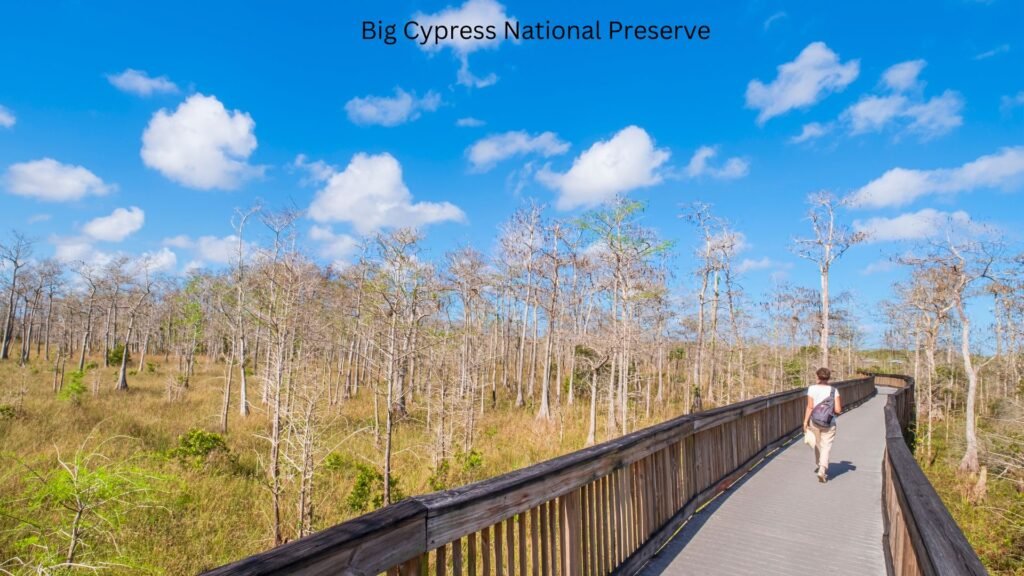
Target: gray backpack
824	414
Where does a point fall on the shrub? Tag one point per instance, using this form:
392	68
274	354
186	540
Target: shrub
337	462
116	354
73	388
197	445
368	492
8	412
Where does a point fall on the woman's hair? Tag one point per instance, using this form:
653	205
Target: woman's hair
824	374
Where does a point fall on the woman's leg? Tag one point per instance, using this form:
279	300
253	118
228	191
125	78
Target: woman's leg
826	437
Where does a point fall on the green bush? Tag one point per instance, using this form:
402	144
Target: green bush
116	354
368	492
337	462
8	412
73	388
197	445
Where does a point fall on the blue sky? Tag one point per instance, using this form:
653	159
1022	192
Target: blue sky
139	127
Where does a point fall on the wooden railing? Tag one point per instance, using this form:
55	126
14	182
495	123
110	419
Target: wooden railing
920	536
602	510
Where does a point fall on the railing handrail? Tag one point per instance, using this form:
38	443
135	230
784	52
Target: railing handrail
938	544
386	537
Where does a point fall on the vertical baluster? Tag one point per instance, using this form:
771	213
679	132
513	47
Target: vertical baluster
485	548
471	553
523	544
535	539
441	561
510	545
457	558
499	569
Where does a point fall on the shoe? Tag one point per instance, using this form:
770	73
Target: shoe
821	477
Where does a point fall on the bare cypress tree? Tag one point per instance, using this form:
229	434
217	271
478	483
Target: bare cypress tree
830	241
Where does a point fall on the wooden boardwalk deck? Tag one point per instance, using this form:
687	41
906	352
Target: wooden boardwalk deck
767	522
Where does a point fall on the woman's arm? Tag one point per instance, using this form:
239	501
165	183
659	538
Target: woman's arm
838	408
807	412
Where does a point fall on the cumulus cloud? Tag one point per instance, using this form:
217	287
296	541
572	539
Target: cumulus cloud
700	165
201	144
901	186
816	73
390	111
487	152
7	119
69	250
51	181
162	260
903	76
117	226
471	13
811	131
139	83
627	161
370	194
469	122
904	106
919	225
208	249
339	248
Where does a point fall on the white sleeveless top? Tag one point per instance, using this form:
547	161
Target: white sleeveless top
818	392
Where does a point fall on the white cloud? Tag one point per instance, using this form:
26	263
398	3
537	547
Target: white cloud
142	84
201	144
339	248
765	263
814	74
36	218
469	122
904	105
873	113
471	13
180	241
71	249
903	76
163	260
901	186
773	19
487	152
391	111
212	249
7	119
51	181
879	267
627	161
1008	103
217	250
699	165
811	131
371	195
993	52
937	116
919	225
120	224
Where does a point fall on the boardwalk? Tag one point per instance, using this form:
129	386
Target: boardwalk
766	523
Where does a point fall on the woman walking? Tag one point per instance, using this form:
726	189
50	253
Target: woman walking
823	405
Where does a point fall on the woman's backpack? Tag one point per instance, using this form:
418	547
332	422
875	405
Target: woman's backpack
824	414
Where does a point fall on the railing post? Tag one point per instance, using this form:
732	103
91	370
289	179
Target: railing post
572	553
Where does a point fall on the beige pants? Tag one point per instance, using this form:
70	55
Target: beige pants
823	438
